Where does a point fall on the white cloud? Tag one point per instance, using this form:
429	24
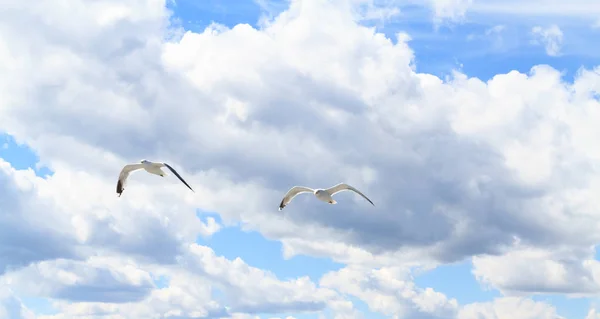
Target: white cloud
592	314
102	286
551	38
96	279
85	219
391	292
453	10
253	290
510	307
555	8
456	168
562	270
497	29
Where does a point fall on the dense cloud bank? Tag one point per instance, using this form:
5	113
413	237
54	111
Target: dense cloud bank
504	172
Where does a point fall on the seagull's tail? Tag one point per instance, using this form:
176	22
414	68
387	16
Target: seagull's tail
332	201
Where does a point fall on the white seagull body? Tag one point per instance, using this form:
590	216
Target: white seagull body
150	167
324	195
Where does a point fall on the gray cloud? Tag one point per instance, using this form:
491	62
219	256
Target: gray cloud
82	281
423	165
24	237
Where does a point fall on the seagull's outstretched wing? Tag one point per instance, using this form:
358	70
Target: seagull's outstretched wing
345	187
292	193
124	174
178	176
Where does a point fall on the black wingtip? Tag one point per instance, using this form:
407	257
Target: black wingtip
119	188
178	176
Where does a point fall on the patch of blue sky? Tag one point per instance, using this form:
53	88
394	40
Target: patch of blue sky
161	282
260	252
455	281
257	251
196	15
40	306
484	50
566	307
20	156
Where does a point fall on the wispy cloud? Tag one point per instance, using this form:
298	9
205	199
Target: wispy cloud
551	38
497	29
574	8
453	10
272	7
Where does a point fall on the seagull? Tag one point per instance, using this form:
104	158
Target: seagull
321	194
150	167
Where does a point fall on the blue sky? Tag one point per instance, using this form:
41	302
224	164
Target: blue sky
438	50
464	46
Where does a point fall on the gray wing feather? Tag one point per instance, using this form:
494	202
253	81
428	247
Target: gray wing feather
292	193
125	171
344	187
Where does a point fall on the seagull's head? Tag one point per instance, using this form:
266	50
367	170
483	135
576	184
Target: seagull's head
143	161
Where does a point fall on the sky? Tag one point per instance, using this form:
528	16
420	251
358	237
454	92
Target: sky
471	124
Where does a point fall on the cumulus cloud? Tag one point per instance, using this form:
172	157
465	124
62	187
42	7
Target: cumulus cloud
391	292
592	314
96	279
102	287
529	270
551	38
252	290
24	237
457	167
85	219
509	307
